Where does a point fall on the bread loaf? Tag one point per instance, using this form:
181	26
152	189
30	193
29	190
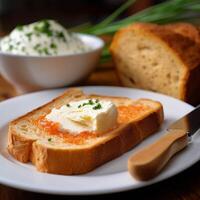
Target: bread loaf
161	58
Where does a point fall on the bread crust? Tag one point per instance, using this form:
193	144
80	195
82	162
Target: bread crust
192	87
183	40
18	146
81	160
186	30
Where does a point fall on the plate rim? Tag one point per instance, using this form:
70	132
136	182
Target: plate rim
93	192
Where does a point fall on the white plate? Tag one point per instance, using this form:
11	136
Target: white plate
112	176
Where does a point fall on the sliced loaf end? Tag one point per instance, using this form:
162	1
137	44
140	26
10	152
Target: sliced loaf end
154	57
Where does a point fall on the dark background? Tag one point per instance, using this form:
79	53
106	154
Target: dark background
68	12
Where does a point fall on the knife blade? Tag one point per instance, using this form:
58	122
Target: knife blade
149	161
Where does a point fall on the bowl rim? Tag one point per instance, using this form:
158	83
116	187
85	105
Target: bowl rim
93	49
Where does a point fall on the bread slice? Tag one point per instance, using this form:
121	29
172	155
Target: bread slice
29	142
161	58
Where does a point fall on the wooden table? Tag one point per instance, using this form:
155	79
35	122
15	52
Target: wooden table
185	186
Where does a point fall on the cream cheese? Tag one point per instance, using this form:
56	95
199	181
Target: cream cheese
42	38
93	115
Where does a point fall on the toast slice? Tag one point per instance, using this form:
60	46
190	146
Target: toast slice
55	153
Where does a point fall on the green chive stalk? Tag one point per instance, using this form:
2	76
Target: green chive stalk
167	12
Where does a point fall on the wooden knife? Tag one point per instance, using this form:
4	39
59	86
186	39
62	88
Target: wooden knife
148	162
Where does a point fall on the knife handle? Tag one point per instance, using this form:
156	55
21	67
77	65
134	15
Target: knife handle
146	163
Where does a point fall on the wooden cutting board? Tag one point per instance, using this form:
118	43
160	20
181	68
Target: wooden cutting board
6	89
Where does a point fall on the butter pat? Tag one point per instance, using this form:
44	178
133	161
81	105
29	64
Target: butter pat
93	115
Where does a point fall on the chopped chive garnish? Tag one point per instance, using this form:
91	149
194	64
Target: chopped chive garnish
44	27
90	102
40	51
84	104
29	35
36	47
11	47
45	50
53	46
98	106
61	35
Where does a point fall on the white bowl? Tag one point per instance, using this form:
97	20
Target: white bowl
30	73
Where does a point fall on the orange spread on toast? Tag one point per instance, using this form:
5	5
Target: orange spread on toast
130	112
53	128
125	114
